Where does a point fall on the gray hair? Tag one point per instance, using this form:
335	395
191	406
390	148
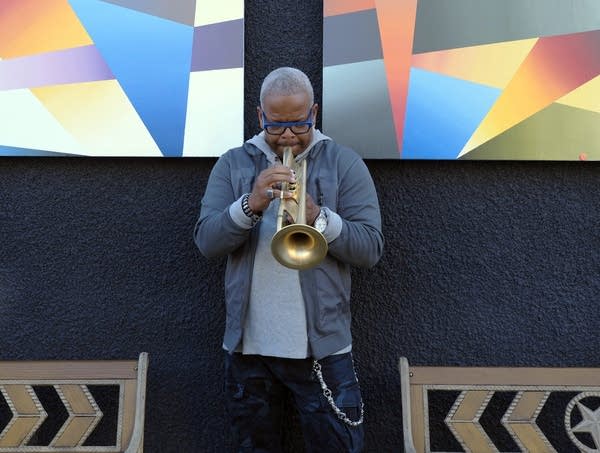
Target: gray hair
284	82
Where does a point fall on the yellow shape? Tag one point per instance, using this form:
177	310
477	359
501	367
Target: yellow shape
101	118
29	27
465	421
586	97
520	421
492	64
27	414
84	415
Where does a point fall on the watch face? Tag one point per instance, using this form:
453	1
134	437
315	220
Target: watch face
321	222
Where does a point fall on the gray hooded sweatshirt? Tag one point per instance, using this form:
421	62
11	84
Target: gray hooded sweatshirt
318	299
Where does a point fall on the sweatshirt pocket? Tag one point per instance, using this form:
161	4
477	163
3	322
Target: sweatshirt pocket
333	300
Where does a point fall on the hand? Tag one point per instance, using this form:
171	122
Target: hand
312	210
269	181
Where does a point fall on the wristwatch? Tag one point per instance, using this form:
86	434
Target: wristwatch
321	221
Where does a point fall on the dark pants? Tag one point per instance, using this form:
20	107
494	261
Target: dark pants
255	389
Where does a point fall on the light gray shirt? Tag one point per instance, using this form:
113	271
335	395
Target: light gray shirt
276	319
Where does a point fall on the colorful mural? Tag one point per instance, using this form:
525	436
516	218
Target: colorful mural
457	79
121	77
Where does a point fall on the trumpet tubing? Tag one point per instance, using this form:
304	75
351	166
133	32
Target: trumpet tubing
297	245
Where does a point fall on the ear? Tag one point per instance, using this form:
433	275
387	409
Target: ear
315	110
259	113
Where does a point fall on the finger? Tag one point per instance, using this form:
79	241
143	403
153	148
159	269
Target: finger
270	176
272	193
288	218
279	174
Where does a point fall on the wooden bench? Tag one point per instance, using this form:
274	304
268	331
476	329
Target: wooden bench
496	409
73	406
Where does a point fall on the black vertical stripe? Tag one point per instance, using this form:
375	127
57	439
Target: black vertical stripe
57	415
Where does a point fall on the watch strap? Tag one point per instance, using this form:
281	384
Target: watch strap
246	208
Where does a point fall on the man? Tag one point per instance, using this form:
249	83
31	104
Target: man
290	328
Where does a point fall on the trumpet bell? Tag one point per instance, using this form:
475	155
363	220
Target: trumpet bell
298	246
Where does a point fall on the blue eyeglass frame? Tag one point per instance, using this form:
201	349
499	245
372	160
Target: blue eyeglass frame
289	125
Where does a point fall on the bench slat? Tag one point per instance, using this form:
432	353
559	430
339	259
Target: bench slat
77	369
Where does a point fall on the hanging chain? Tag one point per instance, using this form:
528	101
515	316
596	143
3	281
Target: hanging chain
327	393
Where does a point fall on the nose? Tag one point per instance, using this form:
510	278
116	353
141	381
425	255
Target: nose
287	132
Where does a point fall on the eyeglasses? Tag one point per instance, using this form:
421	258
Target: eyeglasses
297	127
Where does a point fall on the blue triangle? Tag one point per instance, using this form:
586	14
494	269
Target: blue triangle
442	112
151	59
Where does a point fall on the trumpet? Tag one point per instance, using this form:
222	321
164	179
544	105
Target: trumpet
296	245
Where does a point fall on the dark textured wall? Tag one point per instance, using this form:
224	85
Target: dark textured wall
486	263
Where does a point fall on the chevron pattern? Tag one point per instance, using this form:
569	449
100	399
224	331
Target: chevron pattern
27	415
515	419
60	417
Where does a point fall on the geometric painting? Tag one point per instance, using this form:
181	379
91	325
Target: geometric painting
121	77
463	79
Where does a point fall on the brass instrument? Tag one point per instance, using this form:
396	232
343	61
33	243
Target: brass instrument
297	245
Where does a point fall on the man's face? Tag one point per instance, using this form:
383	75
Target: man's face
288	109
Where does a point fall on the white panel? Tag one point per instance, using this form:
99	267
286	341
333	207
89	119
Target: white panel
210	11
25	123
215	113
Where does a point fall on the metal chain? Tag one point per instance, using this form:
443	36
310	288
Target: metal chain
327	393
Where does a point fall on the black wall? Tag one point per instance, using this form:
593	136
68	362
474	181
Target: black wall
486	263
